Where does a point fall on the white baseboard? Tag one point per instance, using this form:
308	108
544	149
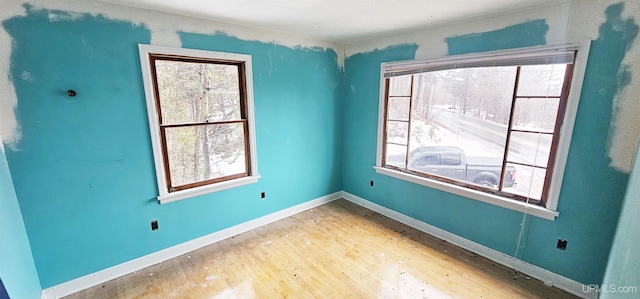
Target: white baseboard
90	280
546	276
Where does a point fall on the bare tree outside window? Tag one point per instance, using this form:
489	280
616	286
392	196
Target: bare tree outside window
202	120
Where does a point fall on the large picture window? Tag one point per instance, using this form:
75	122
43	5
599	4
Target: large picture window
200	111
490	124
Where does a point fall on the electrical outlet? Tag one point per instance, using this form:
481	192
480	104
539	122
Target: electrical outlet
263	195
154	224
562	244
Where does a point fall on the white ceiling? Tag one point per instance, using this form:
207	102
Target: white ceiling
342	21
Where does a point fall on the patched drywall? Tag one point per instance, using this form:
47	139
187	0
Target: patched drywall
624	260
111	184
164	29
90	156
572	22
625	123
588	22
431	41
589	181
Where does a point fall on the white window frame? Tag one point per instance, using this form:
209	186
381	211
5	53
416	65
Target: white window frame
164	195
550	212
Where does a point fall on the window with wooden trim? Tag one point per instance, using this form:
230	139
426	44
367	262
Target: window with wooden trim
200	110
489	123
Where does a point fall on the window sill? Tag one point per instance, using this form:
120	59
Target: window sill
193	192
472	194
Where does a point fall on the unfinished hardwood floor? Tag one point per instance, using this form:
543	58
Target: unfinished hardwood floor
338	250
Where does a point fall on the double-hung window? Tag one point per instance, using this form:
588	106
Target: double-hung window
493	126
200	109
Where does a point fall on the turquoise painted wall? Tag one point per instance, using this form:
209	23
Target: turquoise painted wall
532	33
592	191
621	279
17	268
83	171
624	261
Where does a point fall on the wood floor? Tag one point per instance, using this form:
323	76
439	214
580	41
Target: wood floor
338	250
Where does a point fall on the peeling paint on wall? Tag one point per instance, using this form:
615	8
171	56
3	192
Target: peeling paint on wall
625	121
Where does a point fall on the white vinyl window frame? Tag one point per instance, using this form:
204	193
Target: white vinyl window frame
485	59
164	195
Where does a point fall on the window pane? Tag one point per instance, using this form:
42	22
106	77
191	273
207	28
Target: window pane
530	181
541	80
427	159
399	108
530	148
438	160
463	112
536	114
462	115
400	86
200	153
396	155
450	159
197	92
397	132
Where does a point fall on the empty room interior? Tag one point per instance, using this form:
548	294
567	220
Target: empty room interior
319	149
